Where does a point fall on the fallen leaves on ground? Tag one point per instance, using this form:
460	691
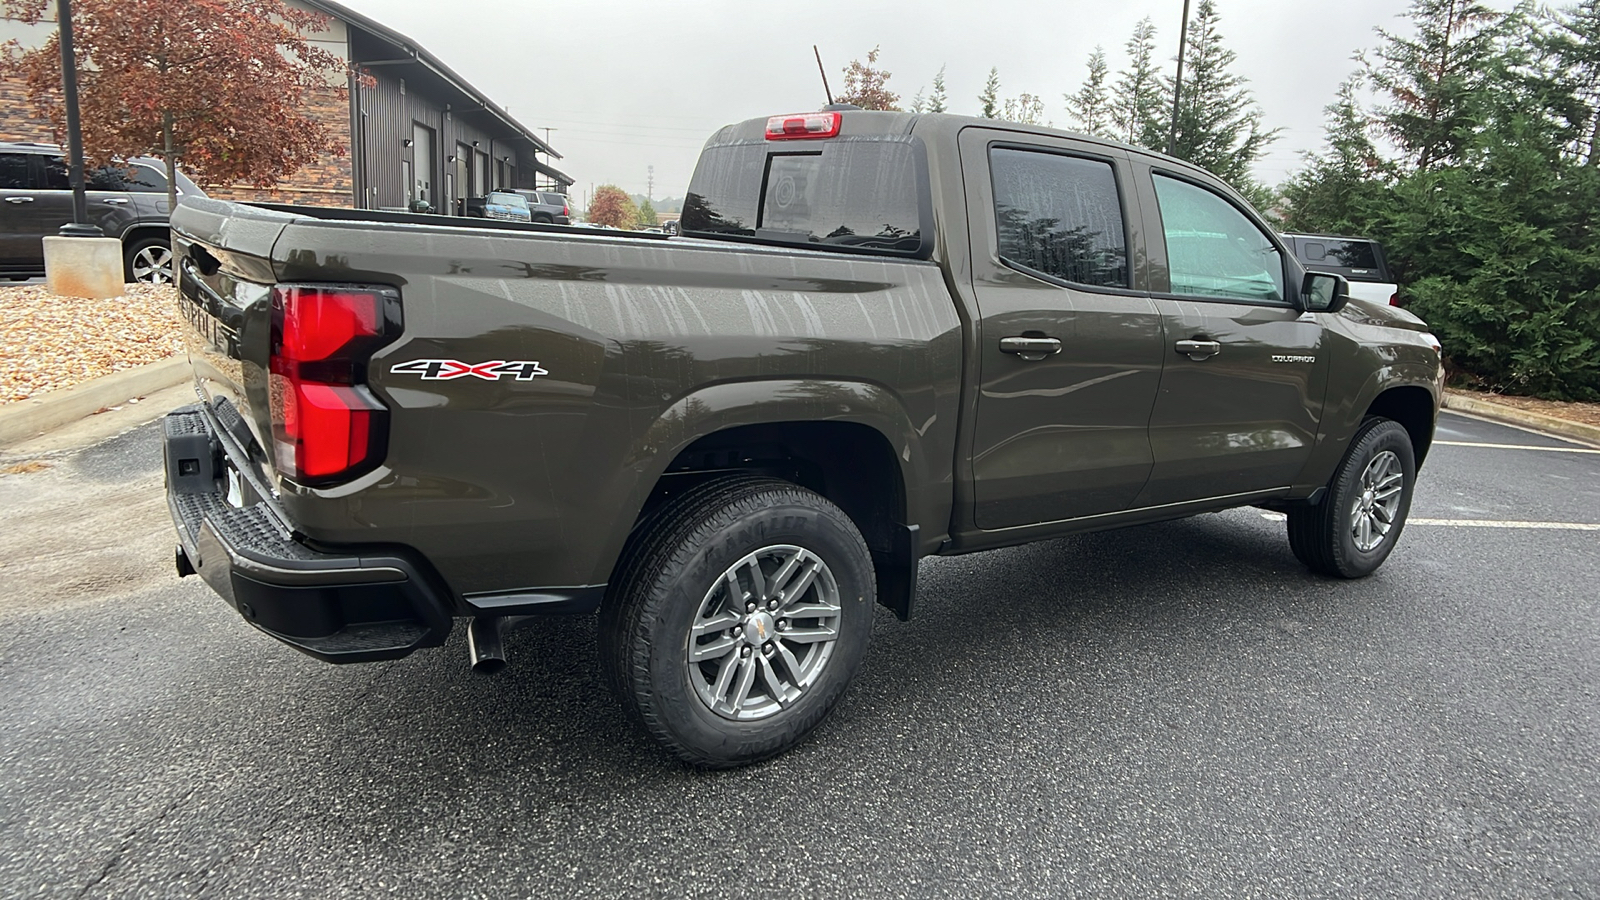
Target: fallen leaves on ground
49	342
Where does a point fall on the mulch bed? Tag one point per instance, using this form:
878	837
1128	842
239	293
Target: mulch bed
49	342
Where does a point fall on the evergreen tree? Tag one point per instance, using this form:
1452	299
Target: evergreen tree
1090	106
1135	106
1219	122
939	101
647	215
1434	78
919	103
1338	189
1024	109
1575	39
989	100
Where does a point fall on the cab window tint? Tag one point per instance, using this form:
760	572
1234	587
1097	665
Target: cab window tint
14	171
1060	216
1213	250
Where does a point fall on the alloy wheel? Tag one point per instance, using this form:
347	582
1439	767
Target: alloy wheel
764	632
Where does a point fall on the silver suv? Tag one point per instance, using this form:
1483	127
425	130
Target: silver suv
127	200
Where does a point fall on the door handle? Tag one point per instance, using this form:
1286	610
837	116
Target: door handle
1030	348
116	200
1198	350
19	200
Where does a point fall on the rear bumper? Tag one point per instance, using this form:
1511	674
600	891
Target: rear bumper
354	605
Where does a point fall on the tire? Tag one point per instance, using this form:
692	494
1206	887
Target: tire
671	591
543	220
148	261
1329	537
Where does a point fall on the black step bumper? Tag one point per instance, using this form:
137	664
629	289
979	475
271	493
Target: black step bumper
350	606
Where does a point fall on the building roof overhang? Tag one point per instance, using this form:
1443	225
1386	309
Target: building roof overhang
410	53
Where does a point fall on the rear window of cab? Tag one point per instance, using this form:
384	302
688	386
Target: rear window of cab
867	193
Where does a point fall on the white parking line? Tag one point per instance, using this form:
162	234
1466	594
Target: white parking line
1516	447
1494	523
1478	523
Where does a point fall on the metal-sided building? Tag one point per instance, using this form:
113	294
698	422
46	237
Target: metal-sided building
417	132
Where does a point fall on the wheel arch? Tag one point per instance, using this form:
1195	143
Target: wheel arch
1413	407
849	441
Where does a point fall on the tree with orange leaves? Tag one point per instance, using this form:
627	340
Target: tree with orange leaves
218	84
612	206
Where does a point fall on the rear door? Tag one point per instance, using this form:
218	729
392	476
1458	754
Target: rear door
20	250
1245	374
1069	349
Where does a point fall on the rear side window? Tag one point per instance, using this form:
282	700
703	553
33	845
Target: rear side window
1213	249
554	199
1060	215
862	193
14	171
1354	259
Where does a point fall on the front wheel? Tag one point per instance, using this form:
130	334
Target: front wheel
1351	532
738	616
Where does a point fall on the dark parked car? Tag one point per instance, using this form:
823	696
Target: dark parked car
1359	260
548	208
127	200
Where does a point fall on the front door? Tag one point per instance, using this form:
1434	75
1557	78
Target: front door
1242	388
1069	352
422	164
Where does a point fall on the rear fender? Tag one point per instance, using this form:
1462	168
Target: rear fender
729	405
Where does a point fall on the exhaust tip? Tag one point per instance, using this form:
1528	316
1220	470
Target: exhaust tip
485	649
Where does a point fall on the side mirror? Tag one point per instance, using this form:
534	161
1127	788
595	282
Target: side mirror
1324	292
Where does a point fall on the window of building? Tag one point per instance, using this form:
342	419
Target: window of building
1060	216
1213	249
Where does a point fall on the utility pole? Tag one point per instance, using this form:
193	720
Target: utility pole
79	226
650	183
1177	83
547	157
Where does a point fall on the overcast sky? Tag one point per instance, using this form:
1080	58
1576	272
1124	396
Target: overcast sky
628	84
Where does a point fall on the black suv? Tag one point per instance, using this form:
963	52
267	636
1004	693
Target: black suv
127	200
547	207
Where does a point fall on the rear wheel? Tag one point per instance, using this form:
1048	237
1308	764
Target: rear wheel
543	219
739	615
148	261
1351	532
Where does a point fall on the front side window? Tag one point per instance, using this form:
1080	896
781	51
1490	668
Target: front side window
1213	250
1060	216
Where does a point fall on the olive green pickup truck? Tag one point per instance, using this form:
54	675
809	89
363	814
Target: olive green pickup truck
880	336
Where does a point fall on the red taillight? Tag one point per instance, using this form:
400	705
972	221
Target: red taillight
1394	299
803	125
326	426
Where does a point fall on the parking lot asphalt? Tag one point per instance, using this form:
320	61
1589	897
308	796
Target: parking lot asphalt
1177	709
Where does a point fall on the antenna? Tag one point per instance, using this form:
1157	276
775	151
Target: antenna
824	73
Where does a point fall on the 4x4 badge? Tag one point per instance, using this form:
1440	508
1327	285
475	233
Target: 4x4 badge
447	369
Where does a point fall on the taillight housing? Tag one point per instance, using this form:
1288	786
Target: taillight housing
804	125
1394	299
327	426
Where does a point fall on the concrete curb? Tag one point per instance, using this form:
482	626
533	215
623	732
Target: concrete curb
1538	421
29	418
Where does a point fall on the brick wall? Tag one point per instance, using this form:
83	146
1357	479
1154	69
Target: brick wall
327	181
17	122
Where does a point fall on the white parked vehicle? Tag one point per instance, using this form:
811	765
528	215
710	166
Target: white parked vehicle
1359	260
